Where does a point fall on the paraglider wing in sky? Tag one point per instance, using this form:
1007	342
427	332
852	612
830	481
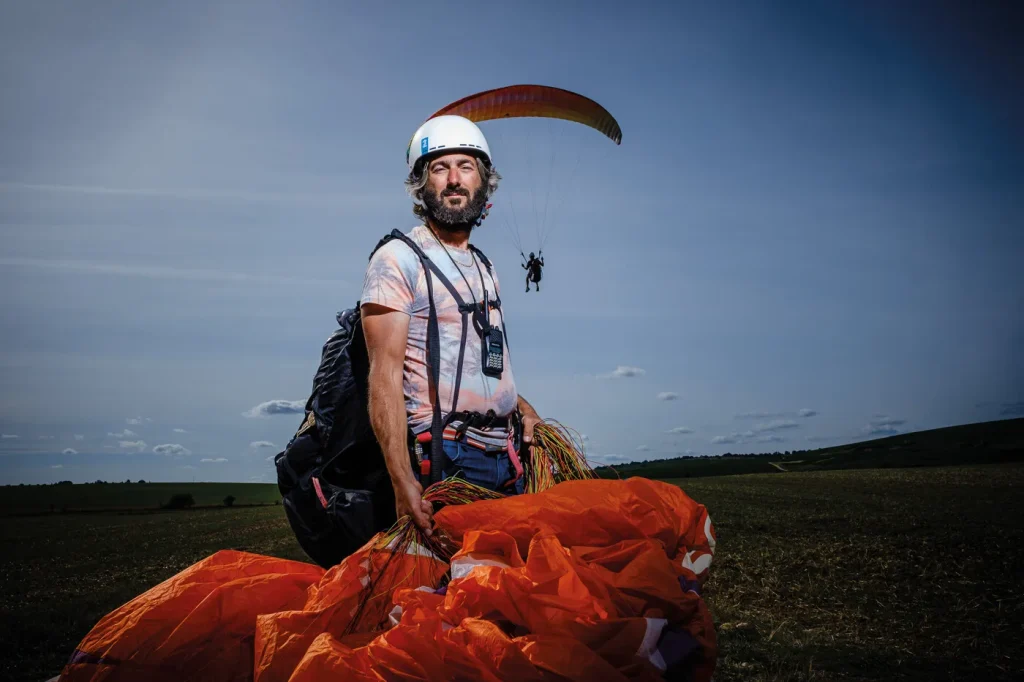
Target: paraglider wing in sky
540	101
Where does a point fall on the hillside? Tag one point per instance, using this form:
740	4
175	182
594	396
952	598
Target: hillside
984	442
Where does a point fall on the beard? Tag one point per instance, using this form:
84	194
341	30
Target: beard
455	218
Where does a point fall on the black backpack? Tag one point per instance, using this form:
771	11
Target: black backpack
335	486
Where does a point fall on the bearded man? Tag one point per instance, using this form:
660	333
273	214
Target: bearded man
451	177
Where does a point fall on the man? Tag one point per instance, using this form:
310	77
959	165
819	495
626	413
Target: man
533	267
451	177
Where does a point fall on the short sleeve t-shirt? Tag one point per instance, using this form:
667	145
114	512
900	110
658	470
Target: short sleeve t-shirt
395	278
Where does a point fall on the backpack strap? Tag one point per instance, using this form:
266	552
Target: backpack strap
438	423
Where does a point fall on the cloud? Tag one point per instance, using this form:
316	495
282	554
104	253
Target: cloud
79	436
56	466
667	395
882	420
69	451
770	439
642	448
272	407
622	372
217	460
9	436
197	193
133	421
880	430
180	431
256	444
738	437
680	429
186	466
271	458
585	437
759	415
138	445
171	449
45	437
806	412
776	425
1012	409
610	458
124	434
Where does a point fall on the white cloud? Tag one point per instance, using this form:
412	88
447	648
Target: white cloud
609	459
667	395
9	436
272	407
69	451
722	440
759	415
124	434
257	444
882	420
776	425
807	412
623	371
133	421
1012	409
216	460
680	429
180	431
770	439
56	466
171	449
79	436
186	466
643	448
138	445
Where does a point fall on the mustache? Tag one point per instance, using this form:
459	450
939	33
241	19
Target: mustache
455	191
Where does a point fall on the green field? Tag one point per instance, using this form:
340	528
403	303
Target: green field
30	499
986	442
911	574
861	574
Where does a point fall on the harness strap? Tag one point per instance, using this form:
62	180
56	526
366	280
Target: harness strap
439	423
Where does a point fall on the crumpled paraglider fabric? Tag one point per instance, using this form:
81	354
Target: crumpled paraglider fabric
588	580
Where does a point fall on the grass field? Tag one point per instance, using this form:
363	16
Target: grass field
31	499
902	574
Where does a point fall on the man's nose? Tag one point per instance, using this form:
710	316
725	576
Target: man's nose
454	179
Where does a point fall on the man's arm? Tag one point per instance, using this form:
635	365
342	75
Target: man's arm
386	332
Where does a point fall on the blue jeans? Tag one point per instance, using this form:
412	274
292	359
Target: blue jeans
487	470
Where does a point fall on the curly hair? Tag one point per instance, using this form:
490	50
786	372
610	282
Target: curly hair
416	184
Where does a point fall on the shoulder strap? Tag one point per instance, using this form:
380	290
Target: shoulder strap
434	348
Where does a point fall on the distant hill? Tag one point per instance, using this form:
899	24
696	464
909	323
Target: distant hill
985	442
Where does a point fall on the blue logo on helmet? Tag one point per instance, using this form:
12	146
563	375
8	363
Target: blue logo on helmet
424	145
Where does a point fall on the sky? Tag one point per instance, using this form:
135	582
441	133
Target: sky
811	233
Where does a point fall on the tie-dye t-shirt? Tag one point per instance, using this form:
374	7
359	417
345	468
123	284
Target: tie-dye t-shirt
395	279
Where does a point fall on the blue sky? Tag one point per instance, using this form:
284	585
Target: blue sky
810	234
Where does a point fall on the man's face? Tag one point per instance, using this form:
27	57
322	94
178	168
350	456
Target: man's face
454	193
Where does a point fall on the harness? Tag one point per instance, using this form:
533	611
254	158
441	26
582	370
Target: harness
429	465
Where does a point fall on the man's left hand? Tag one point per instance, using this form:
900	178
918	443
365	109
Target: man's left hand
530	420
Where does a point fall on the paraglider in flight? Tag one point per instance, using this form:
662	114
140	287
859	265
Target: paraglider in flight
532	268
544	102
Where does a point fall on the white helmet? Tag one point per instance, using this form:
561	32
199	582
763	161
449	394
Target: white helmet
447	133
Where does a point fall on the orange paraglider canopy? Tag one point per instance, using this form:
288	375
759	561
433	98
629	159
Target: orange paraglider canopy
541	101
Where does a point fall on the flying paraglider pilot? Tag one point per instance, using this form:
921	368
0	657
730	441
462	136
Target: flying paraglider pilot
533	267
451	177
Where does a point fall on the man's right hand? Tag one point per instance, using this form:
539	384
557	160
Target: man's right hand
409	502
